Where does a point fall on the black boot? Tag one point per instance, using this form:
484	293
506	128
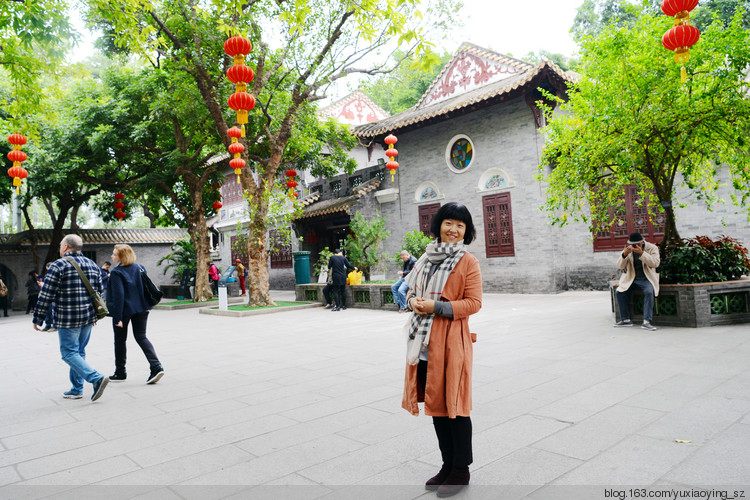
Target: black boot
157	372
118	376
438	479
457	479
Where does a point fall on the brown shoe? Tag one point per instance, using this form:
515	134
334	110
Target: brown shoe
455	482
436	480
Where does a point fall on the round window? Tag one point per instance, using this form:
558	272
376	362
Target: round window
460	153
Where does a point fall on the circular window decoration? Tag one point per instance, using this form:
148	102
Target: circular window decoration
460	153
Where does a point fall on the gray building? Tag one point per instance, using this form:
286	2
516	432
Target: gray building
16	254
475	137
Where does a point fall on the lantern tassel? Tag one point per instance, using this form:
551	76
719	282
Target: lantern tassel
683	74
242	127
238	179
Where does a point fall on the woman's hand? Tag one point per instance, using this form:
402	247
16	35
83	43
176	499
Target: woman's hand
118	324
422	306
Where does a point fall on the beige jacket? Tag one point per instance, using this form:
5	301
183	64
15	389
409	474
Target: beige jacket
650	260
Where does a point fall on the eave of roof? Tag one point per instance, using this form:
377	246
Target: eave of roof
99	236
342	204
489	94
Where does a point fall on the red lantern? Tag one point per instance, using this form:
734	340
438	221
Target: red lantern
217	205
679	39
238	46
291	172
391	153
17	140
17	157
119	205
234	133
240	74
291	184
236	148
120	215
241	102
119	196
679	9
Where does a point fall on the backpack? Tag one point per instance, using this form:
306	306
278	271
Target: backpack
3	289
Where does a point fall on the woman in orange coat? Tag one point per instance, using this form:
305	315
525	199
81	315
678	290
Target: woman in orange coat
445	288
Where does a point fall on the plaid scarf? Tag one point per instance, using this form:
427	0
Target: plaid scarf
424	283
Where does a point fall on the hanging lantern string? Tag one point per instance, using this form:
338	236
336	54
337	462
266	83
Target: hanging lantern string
682	35
391	153
17	172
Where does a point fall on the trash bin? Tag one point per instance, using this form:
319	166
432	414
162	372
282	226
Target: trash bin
301	267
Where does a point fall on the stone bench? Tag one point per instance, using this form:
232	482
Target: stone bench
376	296
693	305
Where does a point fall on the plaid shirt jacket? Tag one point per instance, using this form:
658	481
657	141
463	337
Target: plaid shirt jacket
63	286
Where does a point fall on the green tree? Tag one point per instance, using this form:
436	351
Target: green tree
630	120
34	35
415	242
402	89
364	246
595	15
180	259
319	43
724	10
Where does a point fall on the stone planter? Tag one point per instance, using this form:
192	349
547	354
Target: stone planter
364	296
695	305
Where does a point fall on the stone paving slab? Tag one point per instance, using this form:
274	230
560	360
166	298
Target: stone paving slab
306	404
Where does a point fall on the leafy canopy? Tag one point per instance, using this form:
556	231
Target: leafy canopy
630	120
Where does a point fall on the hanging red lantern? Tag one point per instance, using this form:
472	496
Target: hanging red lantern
217	205
679	9
239	74
119	205
391	153
17	157
291	184
679	39
290	173
682	35
234	133
237	46
236	148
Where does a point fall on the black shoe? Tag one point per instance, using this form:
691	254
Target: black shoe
455	482
335	309
343	308
156	374
328	306
118	376
99	388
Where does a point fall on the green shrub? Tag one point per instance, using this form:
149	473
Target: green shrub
322	262
703	260
415	243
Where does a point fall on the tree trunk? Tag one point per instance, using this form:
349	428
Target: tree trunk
258	275
53	253
671	236
199	234
32	238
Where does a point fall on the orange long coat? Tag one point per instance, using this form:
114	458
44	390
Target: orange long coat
451	354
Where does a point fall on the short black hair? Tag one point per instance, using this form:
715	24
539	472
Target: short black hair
455	211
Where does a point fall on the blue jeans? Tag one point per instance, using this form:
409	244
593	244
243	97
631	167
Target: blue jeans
73	342
623	300
399	290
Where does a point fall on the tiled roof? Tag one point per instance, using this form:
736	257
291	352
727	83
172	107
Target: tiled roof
151	235
340	204
493	92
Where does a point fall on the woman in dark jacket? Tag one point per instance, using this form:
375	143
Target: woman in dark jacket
127	304
32	290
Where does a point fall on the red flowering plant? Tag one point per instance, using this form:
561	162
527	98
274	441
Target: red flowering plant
703	260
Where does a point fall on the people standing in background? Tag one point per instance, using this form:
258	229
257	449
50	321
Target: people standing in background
400	287
241	276
337	266
214	275
32	290
3	296
105	274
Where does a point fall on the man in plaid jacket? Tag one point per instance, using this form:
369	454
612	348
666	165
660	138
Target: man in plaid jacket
74	313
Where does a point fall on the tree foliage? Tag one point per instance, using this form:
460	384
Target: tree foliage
415	242
630	120
301	48
364	246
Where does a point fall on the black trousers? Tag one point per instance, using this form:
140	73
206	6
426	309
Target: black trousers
339	294
454	434
32	303
139	332
327	292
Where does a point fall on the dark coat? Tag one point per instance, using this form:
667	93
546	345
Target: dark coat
338	266
125	292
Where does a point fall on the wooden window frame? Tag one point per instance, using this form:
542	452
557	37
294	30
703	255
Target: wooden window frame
426	213
616	238
497	207
282	258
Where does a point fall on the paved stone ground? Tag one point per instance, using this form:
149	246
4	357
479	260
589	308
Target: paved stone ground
306	404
